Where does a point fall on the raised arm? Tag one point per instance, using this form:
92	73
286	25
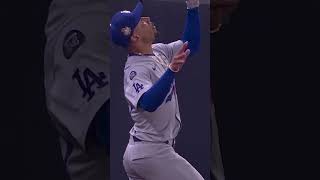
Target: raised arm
192	26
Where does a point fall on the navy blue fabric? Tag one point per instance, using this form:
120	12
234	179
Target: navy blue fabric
154	97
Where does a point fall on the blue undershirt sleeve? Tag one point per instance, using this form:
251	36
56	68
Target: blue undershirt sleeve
154	97
192	30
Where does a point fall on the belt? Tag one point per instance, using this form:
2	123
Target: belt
171	142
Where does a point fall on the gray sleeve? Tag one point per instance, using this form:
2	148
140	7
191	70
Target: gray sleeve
169	50
137	81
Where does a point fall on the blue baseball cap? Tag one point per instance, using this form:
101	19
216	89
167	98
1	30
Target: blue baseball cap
123	23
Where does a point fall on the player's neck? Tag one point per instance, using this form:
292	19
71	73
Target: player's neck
146	50
143	49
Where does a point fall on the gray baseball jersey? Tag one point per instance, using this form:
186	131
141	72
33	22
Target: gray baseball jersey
77	68
140	73
76	63
149	159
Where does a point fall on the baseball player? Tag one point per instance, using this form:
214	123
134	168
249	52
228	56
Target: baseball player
149	87
77	68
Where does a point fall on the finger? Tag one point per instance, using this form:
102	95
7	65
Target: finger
179	65
182	55
183	48
187	53
180	61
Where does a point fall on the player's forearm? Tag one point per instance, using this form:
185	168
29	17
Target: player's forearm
154	97
192	30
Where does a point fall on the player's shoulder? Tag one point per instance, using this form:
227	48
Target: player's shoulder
142	63
138	61
140	70
159	46
163	47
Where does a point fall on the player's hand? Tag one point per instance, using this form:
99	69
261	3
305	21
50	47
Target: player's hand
180	58
192	3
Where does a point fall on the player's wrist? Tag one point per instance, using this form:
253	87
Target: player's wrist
173	68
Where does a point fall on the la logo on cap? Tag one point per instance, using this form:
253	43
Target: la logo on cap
126	31
125	11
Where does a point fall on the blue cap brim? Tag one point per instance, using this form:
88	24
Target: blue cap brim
137	12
